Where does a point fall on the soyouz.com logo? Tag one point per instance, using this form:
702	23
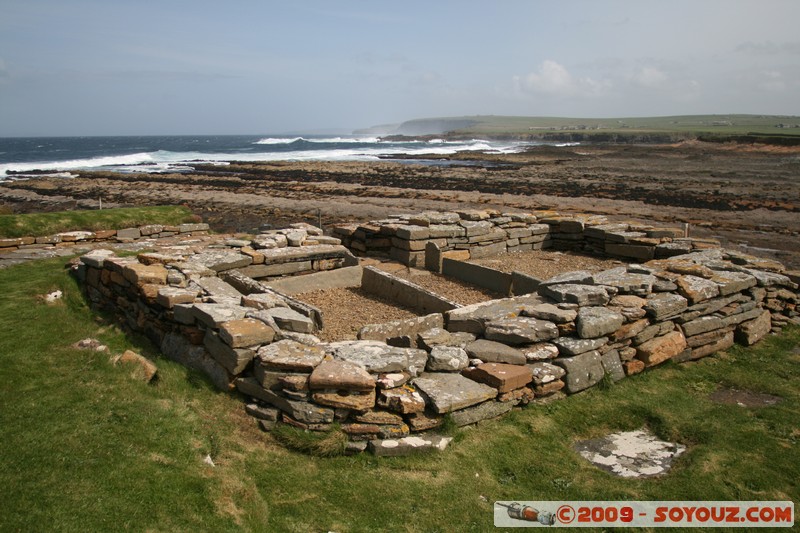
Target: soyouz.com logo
644	514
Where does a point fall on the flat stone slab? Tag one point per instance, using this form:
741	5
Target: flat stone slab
573	346
212	315
245	332
626	282
449	392
520	330
473	318
494	352
408	445
632	454
500	376
291	320
578	277
96	258
412	327
304	412
291	355
219	260
550	312
338	375
697	289
594	322
216	288
263	301
170	296
303	253
484	411
576	294
663	305
377	357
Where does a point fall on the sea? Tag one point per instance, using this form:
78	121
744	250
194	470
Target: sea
61	155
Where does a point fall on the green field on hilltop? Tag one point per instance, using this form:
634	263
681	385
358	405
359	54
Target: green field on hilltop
87	448
679	126
38	224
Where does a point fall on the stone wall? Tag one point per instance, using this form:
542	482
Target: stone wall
466	364
480	233
71	238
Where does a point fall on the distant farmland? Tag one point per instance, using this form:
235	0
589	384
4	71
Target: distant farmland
779	129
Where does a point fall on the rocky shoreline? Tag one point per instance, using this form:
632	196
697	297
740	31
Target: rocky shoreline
746	196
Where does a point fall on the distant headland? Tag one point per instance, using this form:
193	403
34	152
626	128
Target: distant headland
770	129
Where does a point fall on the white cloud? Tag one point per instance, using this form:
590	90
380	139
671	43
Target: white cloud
649	77
550	78
553	78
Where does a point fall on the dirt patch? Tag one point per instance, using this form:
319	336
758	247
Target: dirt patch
345	311
744	398
544	264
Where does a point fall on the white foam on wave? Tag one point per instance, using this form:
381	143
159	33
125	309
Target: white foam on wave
95	162
326	140
278	140
166	161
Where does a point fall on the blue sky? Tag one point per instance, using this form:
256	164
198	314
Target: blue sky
91	67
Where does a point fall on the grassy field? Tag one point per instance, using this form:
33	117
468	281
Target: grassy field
679	126
56	222
86	448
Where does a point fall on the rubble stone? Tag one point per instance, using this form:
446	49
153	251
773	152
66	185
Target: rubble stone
447	359
501	376
660	349
593	322
582	371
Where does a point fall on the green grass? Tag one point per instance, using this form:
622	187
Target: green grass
86	448
39	224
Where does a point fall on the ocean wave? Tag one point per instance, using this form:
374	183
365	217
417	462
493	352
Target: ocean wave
95	162
337	149
324	140
278	140
360	140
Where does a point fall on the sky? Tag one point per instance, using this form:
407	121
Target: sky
168	67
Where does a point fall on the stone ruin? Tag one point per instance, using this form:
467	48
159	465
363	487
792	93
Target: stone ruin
230	310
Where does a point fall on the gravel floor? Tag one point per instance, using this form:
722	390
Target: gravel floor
546	264
453	290
345	311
